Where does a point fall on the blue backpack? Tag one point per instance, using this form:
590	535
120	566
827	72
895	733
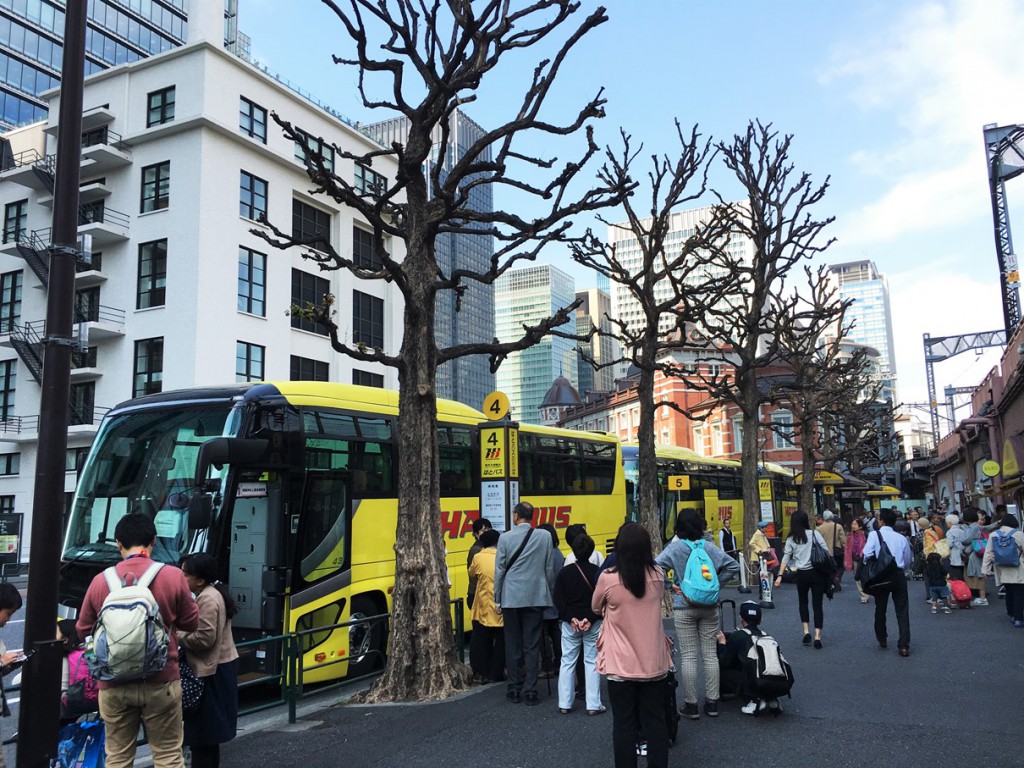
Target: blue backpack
1004	549
700	580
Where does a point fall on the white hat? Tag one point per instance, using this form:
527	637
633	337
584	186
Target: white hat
952	519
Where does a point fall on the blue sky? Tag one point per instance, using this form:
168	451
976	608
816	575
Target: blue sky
887	99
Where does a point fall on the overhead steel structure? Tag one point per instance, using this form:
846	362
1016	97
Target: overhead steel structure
1004	151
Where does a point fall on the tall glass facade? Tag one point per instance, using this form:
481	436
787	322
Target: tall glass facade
468	320
118	31
526	296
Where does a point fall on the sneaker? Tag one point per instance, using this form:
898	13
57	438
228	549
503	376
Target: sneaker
817	643
711	708
514	696
750	707
774	707
1002	592
935	608
979	601
599	711
1018	624
641	749
807	639
690	711
946	609
532	699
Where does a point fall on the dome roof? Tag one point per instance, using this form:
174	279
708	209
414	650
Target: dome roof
562	392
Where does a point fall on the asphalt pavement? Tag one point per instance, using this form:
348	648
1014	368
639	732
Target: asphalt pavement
955	701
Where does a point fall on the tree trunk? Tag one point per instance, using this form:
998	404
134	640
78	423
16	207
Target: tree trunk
750	460
647	496
808	460
422	663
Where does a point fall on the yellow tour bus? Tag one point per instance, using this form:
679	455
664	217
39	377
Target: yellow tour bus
292	486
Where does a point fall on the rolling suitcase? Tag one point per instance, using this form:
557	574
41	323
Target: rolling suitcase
671	706
721	615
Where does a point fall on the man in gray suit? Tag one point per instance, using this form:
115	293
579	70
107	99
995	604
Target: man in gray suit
524	574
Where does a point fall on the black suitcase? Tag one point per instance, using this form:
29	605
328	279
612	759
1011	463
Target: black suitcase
671	707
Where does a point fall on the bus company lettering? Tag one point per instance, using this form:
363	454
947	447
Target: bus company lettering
459	523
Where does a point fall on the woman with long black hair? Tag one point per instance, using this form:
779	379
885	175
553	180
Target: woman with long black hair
632	648
797	555
211	654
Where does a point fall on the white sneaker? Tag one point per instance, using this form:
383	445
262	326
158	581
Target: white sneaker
641	749
750	707
979	601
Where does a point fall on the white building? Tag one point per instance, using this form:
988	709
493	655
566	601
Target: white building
180	157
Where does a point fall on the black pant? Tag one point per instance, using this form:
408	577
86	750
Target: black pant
638	704
551	645
810	580
522	647
487	651
901	602
205	755
1015	601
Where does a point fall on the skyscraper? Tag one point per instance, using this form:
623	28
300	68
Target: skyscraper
870	314
469	319
593	314
524	297
118	31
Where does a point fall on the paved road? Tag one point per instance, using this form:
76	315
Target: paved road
955	701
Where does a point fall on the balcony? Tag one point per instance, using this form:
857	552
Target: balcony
87	193
97	226
103	151
99	322
82	422
30	169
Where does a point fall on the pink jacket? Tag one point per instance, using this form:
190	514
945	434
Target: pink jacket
854	549
632	642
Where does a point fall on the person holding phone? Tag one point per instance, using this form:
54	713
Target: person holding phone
10	603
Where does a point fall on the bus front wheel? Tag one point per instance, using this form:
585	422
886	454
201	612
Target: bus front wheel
366	638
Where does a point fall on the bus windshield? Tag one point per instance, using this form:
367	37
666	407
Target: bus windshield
142	461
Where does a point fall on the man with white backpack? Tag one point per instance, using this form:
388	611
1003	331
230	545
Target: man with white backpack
131	612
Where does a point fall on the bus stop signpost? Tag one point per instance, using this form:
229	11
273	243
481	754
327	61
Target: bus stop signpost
499	463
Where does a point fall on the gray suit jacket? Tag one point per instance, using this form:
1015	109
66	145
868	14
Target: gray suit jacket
532	577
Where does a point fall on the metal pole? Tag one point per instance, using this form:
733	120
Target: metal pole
40	699
744	587
765	578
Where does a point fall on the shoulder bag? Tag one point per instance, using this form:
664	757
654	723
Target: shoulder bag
192	687
518	552
821	559
877	572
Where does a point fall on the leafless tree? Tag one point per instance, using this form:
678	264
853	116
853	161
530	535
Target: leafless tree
775	216
672	283
433	59
825	377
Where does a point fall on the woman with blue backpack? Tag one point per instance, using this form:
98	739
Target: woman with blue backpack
797	555
698	569
1003	555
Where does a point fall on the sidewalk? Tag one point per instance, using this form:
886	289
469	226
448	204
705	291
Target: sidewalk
953	701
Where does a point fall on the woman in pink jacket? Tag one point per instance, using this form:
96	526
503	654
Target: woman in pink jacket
855	554
632	649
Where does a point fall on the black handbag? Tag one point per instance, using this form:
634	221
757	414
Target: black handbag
876	573
192	687
821	559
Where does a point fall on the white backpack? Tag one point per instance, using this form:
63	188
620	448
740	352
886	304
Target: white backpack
130	640
769	675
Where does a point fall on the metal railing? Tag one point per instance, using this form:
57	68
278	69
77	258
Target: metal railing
17	425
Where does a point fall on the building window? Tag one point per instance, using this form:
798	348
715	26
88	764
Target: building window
716	439
369	182
317	148
74	459
6	505
87	305
149	367
367	320
10	463
252	197
308	289
156	187
782	432
10	300
698	440
252	120
248	361
252	281
160	107
367	379
15	220
83	403
304	369
8	382
363	253
310	224
737	434
86	359
152	284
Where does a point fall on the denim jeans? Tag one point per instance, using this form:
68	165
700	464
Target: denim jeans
572	641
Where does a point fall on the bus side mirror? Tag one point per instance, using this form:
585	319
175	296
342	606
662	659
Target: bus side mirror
200	511
226	450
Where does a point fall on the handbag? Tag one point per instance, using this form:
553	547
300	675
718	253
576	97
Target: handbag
821	559
192	687
877	572
81	697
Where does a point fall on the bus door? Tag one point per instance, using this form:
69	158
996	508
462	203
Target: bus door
322	575
257	567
